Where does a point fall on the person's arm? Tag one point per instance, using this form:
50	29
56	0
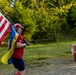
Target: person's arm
20	45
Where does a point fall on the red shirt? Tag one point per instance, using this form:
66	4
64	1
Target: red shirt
18	52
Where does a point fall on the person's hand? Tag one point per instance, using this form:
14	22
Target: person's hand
27	44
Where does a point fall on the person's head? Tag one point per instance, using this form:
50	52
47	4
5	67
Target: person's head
18	27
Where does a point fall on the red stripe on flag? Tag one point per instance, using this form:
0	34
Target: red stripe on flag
3	25
1	17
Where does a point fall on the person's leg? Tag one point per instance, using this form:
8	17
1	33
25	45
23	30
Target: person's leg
19	64
21	67
22	72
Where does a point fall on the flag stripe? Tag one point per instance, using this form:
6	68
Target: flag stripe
2	21
1	17
5	30
5	33
3	25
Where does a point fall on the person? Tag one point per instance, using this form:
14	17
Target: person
17	56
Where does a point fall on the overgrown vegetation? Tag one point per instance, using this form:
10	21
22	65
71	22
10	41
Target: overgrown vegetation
44	19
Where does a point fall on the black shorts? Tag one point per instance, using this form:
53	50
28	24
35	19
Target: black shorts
18	64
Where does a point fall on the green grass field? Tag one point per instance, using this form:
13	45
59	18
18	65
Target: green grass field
48	51
45	51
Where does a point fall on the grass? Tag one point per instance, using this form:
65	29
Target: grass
48	51
44	51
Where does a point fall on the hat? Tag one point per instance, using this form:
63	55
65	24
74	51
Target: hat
17	25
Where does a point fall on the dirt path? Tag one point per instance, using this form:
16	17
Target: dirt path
47	67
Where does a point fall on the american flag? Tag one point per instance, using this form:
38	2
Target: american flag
4	27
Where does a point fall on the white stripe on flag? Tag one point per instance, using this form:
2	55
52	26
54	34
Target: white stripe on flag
4	30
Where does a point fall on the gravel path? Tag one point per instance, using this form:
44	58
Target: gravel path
47	67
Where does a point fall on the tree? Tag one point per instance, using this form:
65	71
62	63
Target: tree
42	19
4	5
71	17
19	14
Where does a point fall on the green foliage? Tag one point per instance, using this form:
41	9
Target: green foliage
42	18
24	17
71	18
4	4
